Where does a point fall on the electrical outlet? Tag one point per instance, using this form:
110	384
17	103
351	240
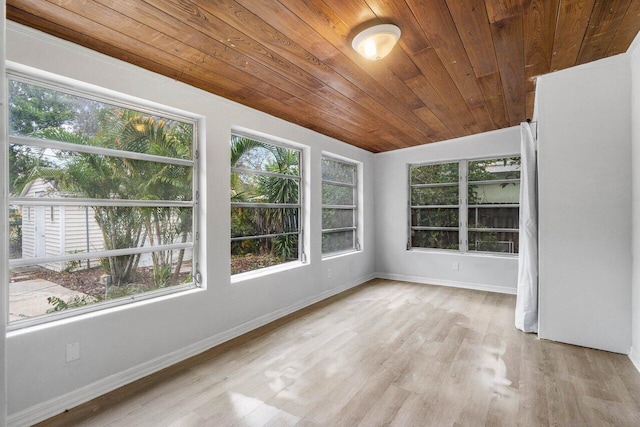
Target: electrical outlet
329	272
73	351
455	266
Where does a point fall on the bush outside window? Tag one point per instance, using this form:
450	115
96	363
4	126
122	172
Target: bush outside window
469	205
102	200
266	203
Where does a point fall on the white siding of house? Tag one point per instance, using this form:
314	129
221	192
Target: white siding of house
76	233
498	193
76	230
52	236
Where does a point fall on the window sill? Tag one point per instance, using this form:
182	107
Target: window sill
249	275
458	253
341	254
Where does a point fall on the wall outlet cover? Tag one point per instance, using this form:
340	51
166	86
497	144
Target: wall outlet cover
73	351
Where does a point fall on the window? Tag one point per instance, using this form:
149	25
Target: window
266	203
339	206
470	205
493	198
120	186
435	206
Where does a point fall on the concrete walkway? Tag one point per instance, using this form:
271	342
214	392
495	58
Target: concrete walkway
29	298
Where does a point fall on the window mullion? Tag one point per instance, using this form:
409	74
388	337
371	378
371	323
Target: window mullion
79	256
97	150
463	192
302	254
356	240
409	203
79	201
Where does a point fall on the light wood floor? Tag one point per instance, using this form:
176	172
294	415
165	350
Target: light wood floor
385	353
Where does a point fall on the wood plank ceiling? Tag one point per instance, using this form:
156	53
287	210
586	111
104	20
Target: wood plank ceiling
461	66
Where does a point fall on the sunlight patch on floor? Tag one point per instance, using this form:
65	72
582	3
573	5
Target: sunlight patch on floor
260	413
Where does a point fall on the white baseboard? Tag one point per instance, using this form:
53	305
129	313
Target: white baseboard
44	410
634	355
450	283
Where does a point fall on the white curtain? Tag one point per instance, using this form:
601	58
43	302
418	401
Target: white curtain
527	293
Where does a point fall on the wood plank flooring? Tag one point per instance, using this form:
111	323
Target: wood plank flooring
385	353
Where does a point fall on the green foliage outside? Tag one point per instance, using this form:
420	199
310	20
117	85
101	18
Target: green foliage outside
15	232
60	305
445	173
259	188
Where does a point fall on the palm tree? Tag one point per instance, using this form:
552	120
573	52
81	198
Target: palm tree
240	146
285	191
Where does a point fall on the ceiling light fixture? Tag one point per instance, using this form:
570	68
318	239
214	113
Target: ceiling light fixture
376	42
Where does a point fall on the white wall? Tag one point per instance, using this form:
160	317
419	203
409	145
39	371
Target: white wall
634	53
585	205
121	344
494	273
4	245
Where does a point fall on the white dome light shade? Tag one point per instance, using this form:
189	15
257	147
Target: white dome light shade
376	42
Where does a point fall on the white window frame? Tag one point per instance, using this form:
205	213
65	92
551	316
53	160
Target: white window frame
355	208
302	256
73	87
463	206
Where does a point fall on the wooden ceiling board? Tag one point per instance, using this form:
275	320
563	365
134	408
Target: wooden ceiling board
571	26
491	85
627	30
470	18
509	45
498	10
439	27
460	67
605	20
432	100
461	122
434	122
